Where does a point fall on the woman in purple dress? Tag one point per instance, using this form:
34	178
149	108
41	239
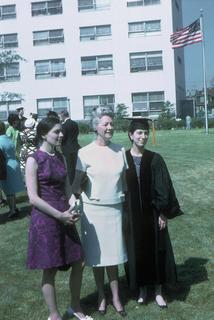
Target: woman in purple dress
53	240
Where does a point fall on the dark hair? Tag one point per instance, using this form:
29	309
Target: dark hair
2	128
52	114
34	116
13	117
44	126
136	124
64	113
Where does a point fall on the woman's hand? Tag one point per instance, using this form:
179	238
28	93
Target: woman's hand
69	217
162	221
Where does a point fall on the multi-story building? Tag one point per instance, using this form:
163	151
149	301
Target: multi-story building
80	54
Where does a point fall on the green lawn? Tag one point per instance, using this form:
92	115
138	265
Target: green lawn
190	158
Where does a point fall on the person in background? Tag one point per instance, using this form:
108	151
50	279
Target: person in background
12	183
69	144
54	243
28	142
100	179
188	122
52	114
20	113
152	200
13	132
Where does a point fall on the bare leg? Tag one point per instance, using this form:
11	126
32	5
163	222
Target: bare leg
159	298
99	279
112	272
49	293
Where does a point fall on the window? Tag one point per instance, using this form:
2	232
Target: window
7	107
147	103
95	33
9	40
8	12
46	7
145	61
10	72
50	68
48	37
135	3
142	27
91	102
97	65
85	5
53	104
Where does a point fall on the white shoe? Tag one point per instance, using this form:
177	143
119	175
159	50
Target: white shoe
70	313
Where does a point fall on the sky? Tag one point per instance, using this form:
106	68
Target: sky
193	53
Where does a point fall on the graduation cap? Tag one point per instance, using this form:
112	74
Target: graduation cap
138	123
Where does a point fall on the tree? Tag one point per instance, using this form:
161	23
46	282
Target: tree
120	111
7	57
120	123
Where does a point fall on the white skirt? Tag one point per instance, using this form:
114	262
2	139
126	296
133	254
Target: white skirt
102	236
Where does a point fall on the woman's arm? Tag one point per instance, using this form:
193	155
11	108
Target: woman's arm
36	200
76	187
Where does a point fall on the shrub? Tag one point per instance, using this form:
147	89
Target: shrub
84	127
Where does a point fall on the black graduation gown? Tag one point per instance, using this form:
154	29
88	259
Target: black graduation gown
150	255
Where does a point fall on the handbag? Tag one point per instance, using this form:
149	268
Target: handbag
3	166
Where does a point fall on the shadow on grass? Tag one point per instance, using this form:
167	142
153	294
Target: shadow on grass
24	211
193	271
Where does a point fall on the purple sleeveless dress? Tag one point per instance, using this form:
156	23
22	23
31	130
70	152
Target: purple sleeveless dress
51	244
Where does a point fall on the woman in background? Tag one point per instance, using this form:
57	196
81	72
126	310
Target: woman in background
12	183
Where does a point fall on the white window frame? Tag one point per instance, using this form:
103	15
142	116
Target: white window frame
47	37
92	102
4	43
143	28
96	69
51	104
4	15
95	35
50	73
145	106
47	9
137	3
146	56
7	75
93	5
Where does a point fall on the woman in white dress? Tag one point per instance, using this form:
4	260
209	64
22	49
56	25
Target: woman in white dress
100	179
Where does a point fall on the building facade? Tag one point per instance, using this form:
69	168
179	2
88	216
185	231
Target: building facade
80	54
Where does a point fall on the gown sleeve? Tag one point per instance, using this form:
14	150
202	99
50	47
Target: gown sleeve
163	194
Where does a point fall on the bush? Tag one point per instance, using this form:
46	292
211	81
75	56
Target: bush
84	127
197	122
121	124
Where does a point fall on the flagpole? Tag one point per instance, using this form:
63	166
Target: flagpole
204	72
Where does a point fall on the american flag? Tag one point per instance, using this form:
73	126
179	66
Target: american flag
188	35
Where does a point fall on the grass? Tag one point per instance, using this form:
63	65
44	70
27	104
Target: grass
190	159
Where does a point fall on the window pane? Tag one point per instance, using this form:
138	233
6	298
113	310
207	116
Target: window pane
152	26
12	69
91	101
42	67
103	30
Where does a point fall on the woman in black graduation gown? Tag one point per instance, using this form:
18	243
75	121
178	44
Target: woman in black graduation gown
152	200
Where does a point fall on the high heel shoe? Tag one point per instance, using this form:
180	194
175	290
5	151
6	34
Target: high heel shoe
121	312
71	313
102	312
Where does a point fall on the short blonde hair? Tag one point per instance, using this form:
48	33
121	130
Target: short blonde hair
98	113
